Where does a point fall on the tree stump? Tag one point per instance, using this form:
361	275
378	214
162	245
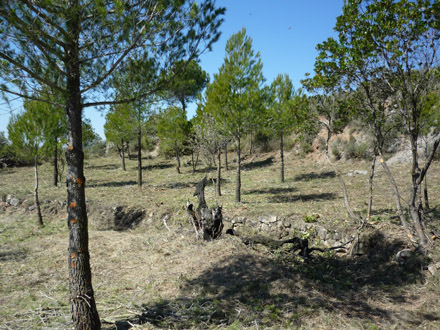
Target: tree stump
207	222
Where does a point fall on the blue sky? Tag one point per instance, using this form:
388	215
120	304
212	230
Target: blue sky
285	32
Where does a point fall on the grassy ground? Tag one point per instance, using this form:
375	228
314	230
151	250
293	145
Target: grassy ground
149	278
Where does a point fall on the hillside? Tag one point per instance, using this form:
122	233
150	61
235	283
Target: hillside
146	276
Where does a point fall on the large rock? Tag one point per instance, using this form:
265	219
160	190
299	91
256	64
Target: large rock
268	219
11	200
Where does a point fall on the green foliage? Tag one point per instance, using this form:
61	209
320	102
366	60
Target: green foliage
189	79
287	107
310	218
355	150
120	124
234	97
173	130
118	31
89	136
29	131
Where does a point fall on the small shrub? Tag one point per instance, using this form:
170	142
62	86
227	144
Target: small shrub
321	143
310	218
354	150
335	149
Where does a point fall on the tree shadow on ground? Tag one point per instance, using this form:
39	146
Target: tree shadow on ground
302	198
102	167
273	191
314	176
15	255
175	185
160	166
111	184
255	289
262	163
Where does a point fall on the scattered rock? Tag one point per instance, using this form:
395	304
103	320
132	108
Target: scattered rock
14	202
321	232
433	268
268	219
360	172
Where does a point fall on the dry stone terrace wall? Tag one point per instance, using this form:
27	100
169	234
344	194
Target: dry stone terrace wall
121	218
284	227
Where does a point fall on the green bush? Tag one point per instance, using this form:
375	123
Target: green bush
354	150
336	150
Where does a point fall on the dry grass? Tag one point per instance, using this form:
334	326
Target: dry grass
152	278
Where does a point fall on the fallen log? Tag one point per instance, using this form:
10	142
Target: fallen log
299	244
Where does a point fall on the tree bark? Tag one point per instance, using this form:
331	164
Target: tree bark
37	202
251	144
416	210
176	150
219	175
139	158
238	181
82	301
395	191
282	156
370	181
128	150
123	155
425	194
55	163
226	157
425	186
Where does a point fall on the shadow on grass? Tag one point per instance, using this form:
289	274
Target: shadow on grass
111	184
302	198
262	163
103	167
248	289
273	191
175	185
12	255
160	166
314	176
125	219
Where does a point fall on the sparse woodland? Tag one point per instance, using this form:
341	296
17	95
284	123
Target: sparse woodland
275	206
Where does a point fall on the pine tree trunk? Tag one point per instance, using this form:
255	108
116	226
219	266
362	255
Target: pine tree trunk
83	307
55	163
123	155
128	150
370	181
37	202
219	174
139	158
176	150
251	144
282	156
238	181
226	157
